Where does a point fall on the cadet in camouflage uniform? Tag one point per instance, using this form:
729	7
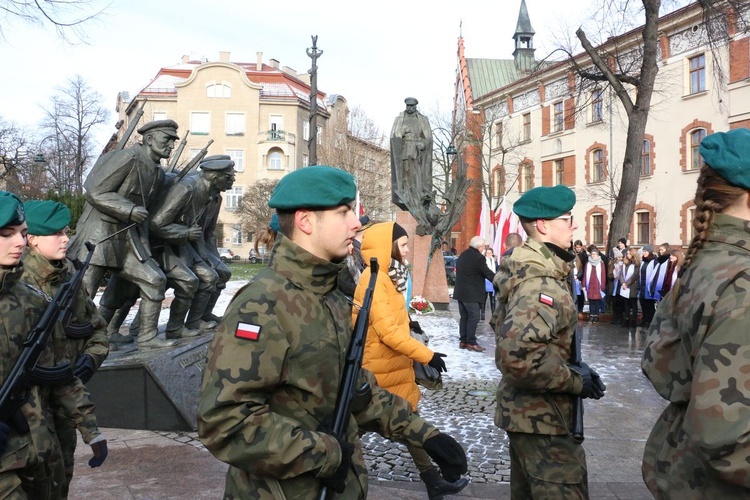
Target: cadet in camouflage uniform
274	367
46	268
534	325
697	353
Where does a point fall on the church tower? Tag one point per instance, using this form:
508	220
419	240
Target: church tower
524	37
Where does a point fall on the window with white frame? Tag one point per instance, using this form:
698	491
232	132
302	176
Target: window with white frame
697	73
275	161
276	123
319	137
218	90
597	161
200	122
305	160
696	136
499	184
642	228
498	134
559	117
526	178
160	115
526	126
306	130
597	105
236	234
597	229
235	124
233	198
238	157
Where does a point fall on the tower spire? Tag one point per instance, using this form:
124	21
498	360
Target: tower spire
524	37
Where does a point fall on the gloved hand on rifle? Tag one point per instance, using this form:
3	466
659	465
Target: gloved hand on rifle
437	362
448	454
593	387
85	368
337	482
100	451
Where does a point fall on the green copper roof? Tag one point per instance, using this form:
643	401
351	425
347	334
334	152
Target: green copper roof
487	75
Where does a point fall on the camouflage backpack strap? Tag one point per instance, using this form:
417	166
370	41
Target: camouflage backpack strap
275	487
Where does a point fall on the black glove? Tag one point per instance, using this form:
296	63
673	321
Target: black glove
591	389
100	453
449	456
85	368
437	362
4	437
337	482
414	326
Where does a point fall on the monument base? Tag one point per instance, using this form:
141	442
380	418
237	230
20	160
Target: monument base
427	272
153	390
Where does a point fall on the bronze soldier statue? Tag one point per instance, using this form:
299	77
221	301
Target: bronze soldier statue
411	155
123	186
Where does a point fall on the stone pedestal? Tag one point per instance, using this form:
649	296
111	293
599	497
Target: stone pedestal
429	282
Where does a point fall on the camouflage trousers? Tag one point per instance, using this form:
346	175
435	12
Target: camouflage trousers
543	467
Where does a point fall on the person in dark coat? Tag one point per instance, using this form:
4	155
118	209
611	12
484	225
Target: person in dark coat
471	271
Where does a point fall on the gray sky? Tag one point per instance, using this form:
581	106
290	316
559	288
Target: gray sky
375	53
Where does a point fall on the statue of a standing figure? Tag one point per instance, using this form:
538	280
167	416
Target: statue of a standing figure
122	188
411	157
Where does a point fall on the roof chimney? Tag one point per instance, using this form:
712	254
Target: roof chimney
259	64
224	56
274	63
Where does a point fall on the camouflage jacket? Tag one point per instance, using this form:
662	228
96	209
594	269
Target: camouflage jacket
697	357
70	399
534	324
272	378
20	310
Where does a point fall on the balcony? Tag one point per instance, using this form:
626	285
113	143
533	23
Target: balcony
276	136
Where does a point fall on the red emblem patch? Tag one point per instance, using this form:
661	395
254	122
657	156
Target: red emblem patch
247	331
546	299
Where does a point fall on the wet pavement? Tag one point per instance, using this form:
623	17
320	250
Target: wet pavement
144	464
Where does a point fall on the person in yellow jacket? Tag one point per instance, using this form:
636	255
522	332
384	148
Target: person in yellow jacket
390	350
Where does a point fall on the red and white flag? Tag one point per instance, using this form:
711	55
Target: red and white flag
247	331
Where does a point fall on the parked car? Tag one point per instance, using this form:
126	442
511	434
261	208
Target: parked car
257	258
450	268
226	254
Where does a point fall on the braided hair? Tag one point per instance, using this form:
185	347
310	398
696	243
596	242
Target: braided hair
713	195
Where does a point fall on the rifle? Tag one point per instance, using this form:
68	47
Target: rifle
353	365
178	153
575	359
131	128
197	158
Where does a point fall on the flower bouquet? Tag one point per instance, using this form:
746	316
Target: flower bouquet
419	306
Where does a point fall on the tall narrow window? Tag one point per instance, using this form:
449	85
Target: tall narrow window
306	130
696	136
643	228
597	172
499	184
238	157
698	74
527	126
559	118
319	136
559	173
597	105
691	228
305	160
597	229
236	234
526	178
499	134
646	158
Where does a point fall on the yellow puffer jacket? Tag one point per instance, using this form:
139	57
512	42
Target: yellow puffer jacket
389	350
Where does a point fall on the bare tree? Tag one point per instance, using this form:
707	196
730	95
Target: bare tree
255	214
70	118
21	170
67	16
356	146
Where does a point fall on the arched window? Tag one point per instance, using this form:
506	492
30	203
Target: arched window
218	90
597	165
696	136
275	161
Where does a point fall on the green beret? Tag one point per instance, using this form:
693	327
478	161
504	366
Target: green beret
11	210
46	217
545	202
318	186
728	153
274	224
217	165
169	127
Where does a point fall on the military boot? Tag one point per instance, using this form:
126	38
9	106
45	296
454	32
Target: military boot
113	328
437	487
208	313
147	326
176	327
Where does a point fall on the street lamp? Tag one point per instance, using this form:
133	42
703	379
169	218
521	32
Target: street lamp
451	153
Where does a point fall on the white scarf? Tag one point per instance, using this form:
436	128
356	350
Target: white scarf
629	270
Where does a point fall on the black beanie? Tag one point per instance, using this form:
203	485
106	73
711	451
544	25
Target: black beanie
398	232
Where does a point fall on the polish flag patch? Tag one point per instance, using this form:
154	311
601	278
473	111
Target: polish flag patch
247	331
546	299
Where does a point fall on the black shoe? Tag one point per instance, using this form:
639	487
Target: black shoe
437	487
